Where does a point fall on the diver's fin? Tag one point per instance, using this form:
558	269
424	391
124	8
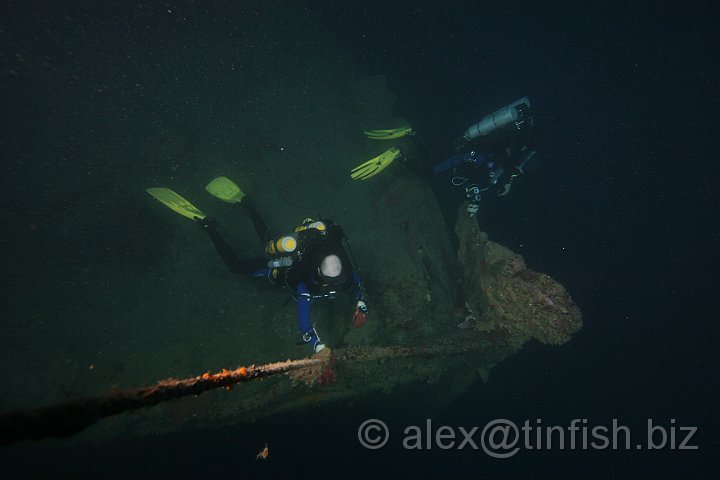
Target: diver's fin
225	189
175	202
389	134
375	165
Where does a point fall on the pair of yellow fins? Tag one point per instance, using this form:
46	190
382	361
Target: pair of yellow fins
377	164
221	187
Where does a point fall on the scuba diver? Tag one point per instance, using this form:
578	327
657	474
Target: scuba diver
494	153
310	262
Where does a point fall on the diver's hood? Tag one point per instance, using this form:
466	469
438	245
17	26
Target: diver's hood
316	258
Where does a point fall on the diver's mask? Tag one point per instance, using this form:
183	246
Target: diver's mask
327	281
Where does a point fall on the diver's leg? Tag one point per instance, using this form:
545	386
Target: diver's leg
235	264
260	227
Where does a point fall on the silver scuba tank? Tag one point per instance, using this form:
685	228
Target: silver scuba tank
495	120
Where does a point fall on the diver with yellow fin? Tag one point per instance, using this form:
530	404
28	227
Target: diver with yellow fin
311	261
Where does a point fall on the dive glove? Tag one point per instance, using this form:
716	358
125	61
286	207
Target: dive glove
360	316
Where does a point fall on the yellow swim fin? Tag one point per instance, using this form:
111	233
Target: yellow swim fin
225	189
175	202
375	165
389	134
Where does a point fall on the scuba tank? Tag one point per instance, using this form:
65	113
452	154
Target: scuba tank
284	244
310	223
278	250
516	113
284	249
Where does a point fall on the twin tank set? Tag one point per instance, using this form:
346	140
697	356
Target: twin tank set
283	249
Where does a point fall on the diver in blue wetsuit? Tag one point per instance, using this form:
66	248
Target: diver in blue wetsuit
494	153
310	262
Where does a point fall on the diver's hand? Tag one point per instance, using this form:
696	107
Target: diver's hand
472	209
360	316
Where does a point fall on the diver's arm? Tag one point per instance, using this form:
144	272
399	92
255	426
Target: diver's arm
303	307
361	309
309	335
358	286
521	160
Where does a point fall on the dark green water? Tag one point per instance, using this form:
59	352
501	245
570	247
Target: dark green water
102	101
